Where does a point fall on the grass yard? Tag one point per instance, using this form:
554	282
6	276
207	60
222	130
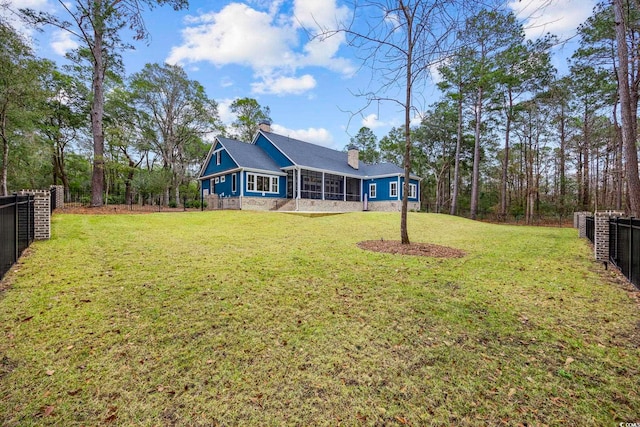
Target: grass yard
247	318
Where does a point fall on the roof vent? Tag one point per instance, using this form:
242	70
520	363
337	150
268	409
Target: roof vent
353	157
265	126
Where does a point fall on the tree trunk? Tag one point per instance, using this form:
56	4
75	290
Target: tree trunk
475	183
5	164
5	155
404	233
505	163
97	111
629	114
584	197
456	173
563	144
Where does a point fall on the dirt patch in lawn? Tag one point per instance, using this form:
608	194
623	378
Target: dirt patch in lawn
416	249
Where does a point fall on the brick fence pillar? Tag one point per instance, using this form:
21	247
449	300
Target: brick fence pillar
42	213
59	196
580	222
601	234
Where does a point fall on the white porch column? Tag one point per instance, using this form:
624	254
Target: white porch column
344	188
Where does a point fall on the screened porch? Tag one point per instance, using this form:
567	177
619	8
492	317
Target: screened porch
322	186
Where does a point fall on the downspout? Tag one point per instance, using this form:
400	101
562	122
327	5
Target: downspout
241	173
298	190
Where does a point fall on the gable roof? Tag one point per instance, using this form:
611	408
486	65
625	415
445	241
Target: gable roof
306	154
248	156
303	154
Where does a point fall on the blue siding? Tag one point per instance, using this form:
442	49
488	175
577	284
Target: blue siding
204	186
224	189
226	162
282	188
383	189
273	152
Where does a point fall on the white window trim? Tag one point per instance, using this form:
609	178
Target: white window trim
218	157
393	189
223	178
413	191
217	180
234	183
373	193
255	183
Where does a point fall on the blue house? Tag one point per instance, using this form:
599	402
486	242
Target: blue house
275	172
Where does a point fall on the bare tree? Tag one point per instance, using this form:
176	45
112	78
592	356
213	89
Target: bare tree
400	41
96	24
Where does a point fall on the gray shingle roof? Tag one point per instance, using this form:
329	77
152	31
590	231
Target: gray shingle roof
315	156
249	156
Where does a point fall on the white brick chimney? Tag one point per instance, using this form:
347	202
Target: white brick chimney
353	157
265	126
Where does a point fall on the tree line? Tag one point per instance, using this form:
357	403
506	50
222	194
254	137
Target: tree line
509	137
155	124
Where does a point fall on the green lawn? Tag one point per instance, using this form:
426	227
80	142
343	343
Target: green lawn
241	318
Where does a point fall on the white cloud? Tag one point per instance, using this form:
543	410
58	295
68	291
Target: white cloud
271	42
319	15
284	85
319	136
559	17
224	110
15	21
372	122
62	42
237	34
416	120
226	81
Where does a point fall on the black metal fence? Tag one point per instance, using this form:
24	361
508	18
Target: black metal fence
53	200
624	247
590	225
17	229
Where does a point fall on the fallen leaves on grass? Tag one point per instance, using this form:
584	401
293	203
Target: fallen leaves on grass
416	249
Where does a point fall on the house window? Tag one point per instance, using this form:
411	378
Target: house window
262	183
222	178
372	191
412	191
233	183
393	189
218	157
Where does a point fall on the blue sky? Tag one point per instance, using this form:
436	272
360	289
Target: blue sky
261	49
